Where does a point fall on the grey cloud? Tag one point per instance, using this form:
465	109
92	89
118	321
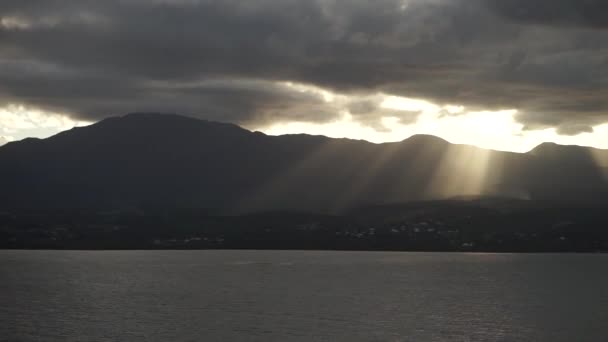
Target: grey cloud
368	111
98	58
565	124
574	130
585	13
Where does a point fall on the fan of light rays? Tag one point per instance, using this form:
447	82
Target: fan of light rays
465	171
600	157
295	181
366	174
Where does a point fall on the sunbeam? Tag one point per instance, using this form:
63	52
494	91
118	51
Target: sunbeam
366	173
600	157
303	176
464	171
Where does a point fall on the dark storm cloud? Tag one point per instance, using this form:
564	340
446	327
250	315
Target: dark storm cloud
224	60
584	13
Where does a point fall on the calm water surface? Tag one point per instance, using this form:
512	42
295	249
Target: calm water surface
301	296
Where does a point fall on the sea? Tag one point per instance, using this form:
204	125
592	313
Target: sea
301	296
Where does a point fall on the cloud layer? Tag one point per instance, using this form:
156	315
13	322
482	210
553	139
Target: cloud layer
238	61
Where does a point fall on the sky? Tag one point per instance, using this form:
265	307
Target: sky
498	74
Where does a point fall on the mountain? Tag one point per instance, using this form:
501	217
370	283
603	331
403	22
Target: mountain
163	160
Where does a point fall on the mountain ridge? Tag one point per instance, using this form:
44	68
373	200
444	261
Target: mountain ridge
171	160
419	136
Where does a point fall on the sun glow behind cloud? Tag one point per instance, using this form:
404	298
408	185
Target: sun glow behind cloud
376	117
496	130
19	122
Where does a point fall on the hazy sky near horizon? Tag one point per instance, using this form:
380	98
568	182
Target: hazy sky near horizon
499	74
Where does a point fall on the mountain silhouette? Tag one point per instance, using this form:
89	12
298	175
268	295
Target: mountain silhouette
164	160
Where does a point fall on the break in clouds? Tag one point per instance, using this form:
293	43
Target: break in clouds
265	61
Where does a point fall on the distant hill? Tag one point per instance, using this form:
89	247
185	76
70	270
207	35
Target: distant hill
161	160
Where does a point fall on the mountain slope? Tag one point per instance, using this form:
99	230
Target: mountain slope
169	160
